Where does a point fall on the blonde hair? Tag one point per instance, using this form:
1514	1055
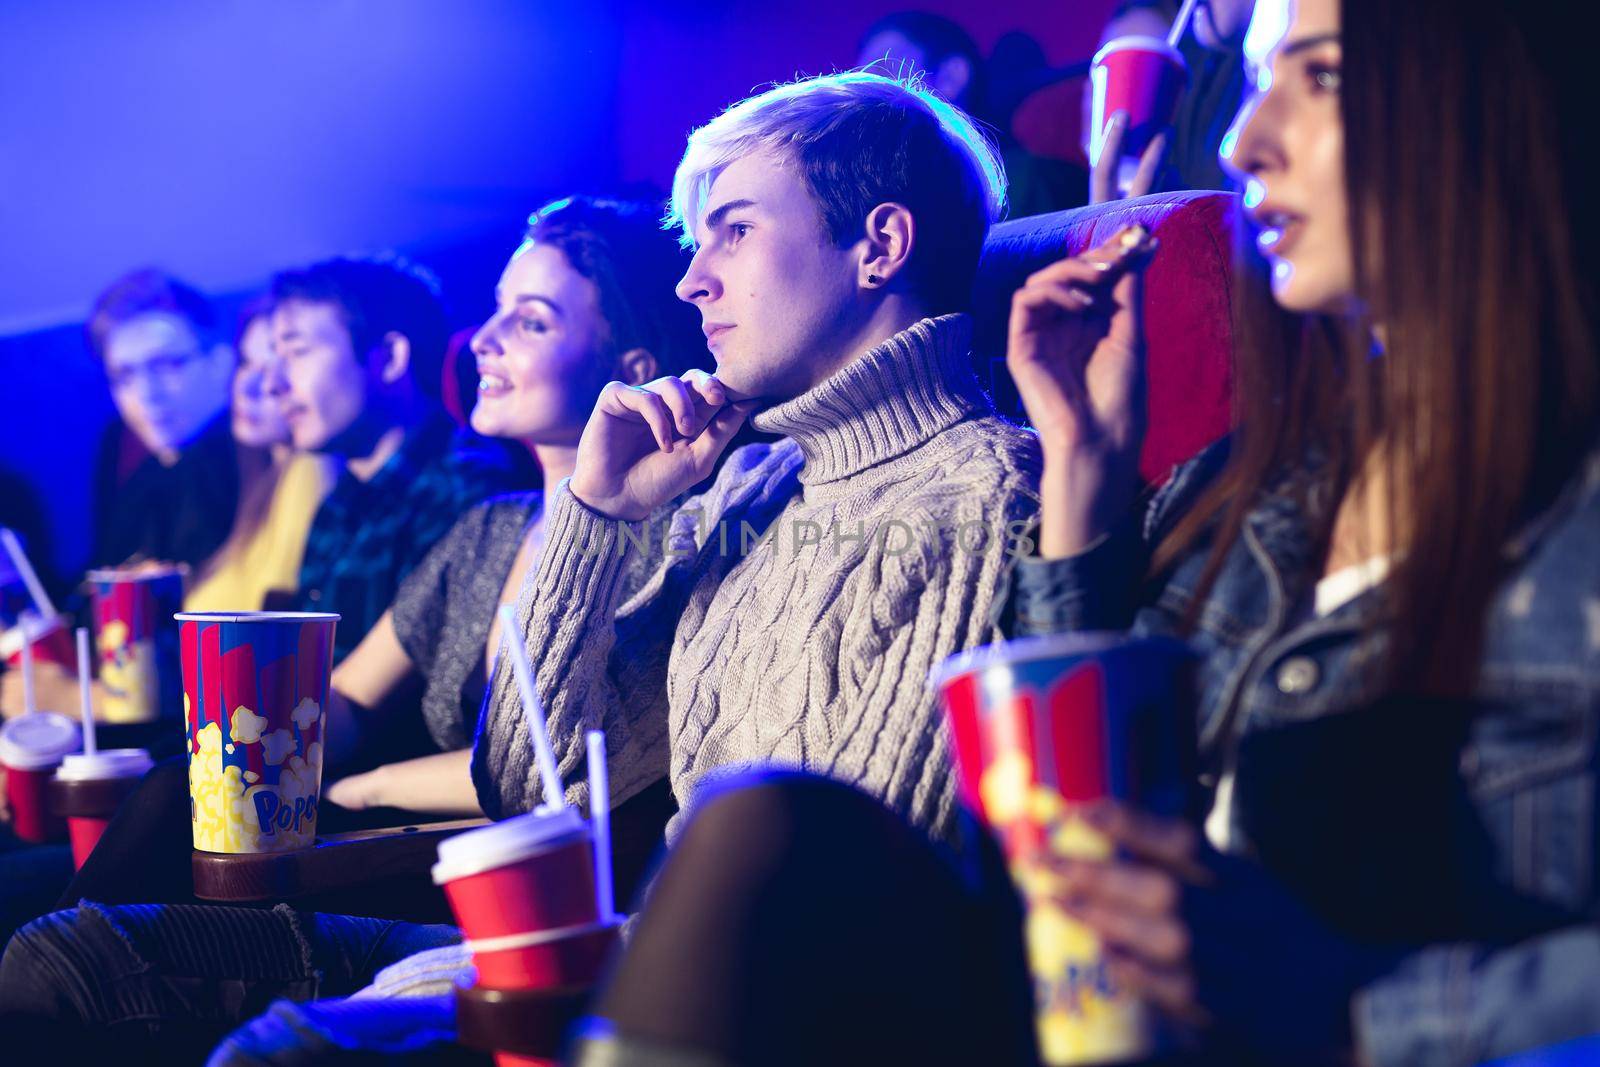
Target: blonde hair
861	139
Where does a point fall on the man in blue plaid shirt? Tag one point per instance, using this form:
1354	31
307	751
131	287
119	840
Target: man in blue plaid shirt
360	344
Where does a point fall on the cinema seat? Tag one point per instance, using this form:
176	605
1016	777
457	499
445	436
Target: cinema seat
1188	326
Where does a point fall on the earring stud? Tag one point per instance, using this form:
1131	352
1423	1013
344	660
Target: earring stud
872	279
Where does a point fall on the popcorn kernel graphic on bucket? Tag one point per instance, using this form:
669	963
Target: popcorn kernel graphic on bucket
255	687
1082	1016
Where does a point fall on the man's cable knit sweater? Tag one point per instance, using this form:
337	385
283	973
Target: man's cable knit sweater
889	509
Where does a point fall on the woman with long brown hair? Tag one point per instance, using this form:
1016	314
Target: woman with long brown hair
1389	570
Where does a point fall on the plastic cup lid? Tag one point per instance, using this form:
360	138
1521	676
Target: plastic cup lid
134	574
38	740
257	616
1050	646
504	843
106	763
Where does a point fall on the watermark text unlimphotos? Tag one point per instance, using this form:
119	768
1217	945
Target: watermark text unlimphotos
891	537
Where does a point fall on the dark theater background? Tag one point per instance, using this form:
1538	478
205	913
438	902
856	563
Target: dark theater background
223	141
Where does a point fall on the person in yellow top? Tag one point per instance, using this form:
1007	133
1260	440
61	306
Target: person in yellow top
263	557
279	494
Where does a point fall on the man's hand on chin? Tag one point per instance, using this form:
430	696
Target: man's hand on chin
646	444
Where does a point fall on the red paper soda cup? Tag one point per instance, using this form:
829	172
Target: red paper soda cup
545	959
89	787
137	641
1041	727
1142	76
255	686
523	892
517	1059
52	643
32	746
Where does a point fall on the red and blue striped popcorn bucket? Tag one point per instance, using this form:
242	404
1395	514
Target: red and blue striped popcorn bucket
1041	727
138	641
255	693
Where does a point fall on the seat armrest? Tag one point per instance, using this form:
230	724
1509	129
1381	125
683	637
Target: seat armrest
334	863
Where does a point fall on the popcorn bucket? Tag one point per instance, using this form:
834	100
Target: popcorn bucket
138	642
255	687
1041	727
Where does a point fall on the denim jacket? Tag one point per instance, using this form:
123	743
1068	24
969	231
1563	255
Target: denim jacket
1527	765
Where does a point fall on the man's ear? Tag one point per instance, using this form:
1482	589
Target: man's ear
637	366
890	235
392	357
952	78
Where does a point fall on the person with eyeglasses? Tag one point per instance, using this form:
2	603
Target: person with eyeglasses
169	370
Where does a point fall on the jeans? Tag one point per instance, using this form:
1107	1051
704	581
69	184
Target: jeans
164	984
31	879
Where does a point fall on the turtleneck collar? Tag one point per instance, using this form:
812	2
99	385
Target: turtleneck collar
896	397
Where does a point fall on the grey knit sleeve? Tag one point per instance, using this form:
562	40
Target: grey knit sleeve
599	634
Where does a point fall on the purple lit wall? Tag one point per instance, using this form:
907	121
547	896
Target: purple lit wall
225	140
717	51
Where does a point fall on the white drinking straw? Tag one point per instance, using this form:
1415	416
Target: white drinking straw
600	825
27	671
542	750
19	560
1181	23
85	700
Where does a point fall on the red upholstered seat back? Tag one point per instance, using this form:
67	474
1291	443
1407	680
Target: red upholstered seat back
1188	325
458	377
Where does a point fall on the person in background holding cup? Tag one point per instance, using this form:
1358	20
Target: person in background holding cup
1184	156
1407	511
921	42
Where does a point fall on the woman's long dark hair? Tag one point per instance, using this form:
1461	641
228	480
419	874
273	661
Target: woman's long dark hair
1473	239
635	265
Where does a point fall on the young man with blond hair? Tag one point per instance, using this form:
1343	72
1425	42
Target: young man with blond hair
793	610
